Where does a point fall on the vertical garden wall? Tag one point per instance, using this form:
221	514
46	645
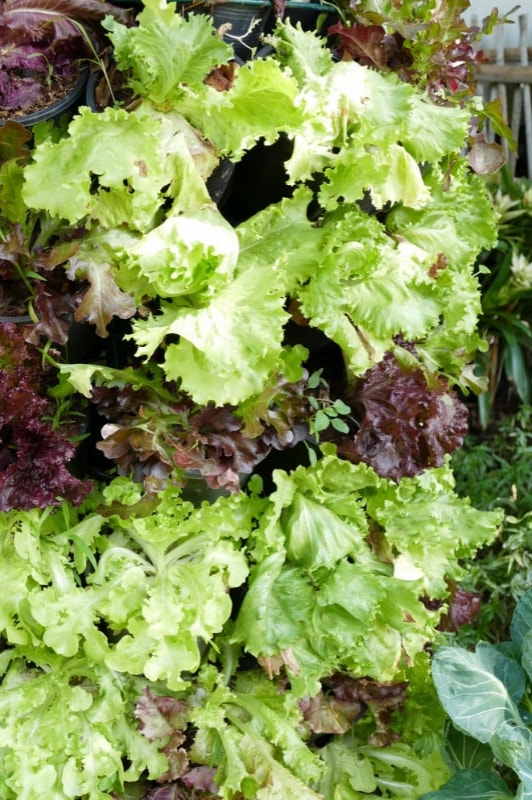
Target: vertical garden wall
254	279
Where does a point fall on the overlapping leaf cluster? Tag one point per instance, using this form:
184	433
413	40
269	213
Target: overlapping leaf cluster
42	42
280	639
428	44
361	277
34	452
263	646
375	242
406	425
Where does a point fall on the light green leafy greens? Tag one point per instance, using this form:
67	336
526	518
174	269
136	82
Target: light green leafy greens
134	591
359	142
240	611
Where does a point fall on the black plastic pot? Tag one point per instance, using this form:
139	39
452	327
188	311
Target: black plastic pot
310	16
197	490
259	180
248	20
54	112
22	319
219	182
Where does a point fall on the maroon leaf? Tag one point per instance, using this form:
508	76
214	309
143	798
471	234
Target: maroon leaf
14	140
364	43
326	714
382	698
201	779
406	425
33	454
464	608
147	436
56	314
159	716
371	46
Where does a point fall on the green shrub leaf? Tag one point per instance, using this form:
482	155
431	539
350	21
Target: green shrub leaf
480	691
471	784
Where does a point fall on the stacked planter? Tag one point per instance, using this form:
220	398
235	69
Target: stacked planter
305	330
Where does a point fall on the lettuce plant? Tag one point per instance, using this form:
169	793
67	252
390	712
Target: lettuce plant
153	429
405	425
380	222
256	646
276	642
34	450
41	44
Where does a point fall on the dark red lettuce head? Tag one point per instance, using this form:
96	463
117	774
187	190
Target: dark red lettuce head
34	453
44	40
406	425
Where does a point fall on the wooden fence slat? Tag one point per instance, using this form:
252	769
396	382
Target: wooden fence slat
515	124
505	73
509	77
525	89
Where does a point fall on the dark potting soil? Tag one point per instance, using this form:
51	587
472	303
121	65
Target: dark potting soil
52	90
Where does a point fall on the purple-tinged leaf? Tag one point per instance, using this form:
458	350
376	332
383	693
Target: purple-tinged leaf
33	454
463	609
45	40
371	46
406	425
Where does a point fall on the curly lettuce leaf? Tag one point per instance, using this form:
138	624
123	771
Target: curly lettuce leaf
231	336
262	102
303	242
430	526
365	622
187	254
357	565
364	112
369	288
388	173
254	729
457	222
165	617
44	555
119	168
170	55
227	348
167	53
159	579
67	729
356	770
103	299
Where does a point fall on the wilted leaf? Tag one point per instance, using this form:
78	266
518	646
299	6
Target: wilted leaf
103	300
486	157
